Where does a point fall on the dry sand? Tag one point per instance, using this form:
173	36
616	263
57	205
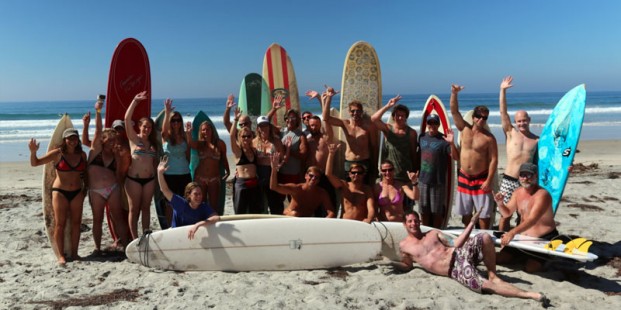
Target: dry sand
30	279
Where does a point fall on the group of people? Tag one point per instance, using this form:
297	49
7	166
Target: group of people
296	163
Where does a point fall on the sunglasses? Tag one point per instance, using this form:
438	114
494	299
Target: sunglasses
175	120
525	175
388	170
356	172
313	176
355	111
306	117
244	124
480	116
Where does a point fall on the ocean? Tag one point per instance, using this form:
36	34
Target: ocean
20	121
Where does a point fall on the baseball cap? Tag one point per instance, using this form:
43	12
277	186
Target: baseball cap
70	132
262	120
118	123
433	118
528	167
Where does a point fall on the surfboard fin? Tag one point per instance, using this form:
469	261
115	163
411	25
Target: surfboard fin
574	244
583	248
553	244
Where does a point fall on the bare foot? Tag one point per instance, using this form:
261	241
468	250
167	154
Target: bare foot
62	261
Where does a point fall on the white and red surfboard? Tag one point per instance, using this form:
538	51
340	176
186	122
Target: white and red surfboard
280	77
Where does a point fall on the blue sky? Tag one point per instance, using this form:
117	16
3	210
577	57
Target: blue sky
61	50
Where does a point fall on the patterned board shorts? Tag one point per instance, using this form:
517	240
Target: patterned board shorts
507	186
464	264
432	198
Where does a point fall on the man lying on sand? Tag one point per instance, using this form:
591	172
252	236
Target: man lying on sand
432	252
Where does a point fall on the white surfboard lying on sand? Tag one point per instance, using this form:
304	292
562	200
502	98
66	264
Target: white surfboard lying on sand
532	244
392	233
259	244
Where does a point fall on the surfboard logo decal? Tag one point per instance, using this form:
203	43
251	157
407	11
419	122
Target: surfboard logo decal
567	152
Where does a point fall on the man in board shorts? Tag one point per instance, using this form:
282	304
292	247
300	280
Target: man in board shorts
432	252
478	159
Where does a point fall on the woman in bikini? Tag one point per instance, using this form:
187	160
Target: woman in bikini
390	193
267	142
140	182
211	154
176	149
104	180
247	195
67	189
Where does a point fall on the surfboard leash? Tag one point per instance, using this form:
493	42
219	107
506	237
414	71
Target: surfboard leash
144	258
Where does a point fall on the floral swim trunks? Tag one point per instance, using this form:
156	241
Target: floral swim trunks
464	262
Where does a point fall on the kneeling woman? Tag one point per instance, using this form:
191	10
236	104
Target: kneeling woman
188	210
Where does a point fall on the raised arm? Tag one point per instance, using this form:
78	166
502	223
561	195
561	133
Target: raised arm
334	180
161	168
96	143
129	128
86	122
412	193
466	233
376	118
33	146
460	123
277	103
237	151
226	118
502	99
275	163
168	109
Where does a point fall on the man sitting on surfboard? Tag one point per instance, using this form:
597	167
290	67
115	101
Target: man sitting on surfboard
521	147
306	197
432	252
534	204
478	162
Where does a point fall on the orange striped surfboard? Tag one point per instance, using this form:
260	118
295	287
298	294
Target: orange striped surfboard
280	77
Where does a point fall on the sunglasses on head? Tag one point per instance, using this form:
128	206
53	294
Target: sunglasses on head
477	115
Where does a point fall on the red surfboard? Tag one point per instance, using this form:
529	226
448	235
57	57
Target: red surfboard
130	74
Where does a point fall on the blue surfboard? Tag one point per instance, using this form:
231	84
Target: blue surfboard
558	142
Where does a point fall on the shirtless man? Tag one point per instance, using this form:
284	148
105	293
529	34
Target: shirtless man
306	197
360	135
521	147
430	251
478	161
357	197
534	204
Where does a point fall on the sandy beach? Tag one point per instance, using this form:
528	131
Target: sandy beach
30	278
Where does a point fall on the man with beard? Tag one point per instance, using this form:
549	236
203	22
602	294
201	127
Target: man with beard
521	147
534	205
